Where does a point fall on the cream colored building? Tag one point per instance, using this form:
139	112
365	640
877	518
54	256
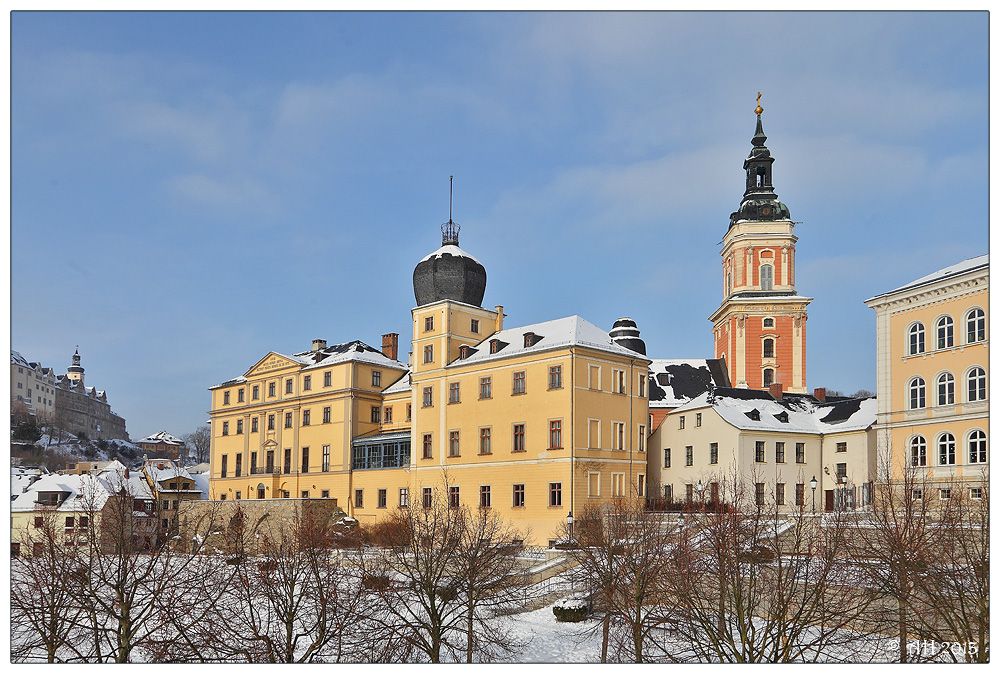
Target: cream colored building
933	369
775	442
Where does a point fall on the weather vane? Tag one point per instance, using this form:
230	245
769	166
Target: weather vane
758	109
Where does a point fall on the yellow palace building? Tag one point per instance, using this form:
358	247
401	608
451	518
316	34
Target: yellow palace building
535	422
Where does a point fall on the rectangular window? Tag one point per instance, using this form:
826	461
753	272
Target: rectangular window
593	485
404	497
454	392
841	447
779	452
382	498
555	376
376	414
238	472
305	459
689	456
427	498
555	494
239	427
697	420
518	383
681	424
270	389
428	444
800	452
255	393
429	353
485	387
642	437
800	493
306	417
326	415
428	323
917	494
307	382
666	457
555	434
288	460
454	497
518	443
944	494
617	435
976	493
713	453
225	397
518	501
253	425
325	493
779	493
241	395
225	465
594	377
484	496
758	454
327	378
270	422
428	396
484	440
594	433
642	386
409	411
376	378
617	485
326	458
288	419
453	444
359	498
474	326
640	489
288	386
225	428
689	492
760	493
305	493
387	415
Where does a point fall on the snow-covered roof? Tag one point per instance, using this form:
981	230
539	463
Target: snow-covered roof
168	471
450	249
558	333
962	267
18	359
201	484
401	385
757	410
163	436
83	493
673	382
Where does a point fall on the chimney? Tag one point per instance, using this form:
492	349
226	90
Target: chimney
775	390
499	309
319	344
126	473
390	345
820	394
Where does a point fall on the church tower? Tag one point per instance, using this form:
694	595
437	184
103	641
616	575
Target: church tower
760	329
75	372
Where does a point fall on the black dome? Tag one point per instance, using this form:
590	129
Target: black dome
449	273
625	333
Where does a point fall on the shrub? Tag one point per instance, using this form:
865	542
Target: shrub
571	610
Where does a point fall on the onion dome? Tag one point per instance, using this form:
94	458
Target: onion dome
625	333
449	273
760	203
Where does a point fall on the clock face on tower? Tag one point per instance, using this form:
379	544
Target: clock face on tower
766	210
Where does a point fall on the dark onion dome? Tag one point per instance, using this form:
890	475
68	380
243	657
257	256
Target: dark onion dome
625	333
760	203
449	273
75	367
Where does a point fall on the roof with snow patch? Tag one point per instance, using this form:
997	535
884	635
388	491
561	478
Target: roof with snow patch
449	249
401	385
673	382
163	436
965	266
757	410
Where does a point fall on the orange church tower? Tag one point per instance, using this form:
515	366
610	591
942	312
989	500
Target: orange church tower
760	329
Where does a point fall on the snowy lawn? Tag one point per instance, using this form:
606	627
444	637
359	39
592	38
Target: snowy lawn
553	641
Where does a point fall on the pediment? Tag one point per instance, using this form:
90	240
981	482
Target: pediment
269	444
271	362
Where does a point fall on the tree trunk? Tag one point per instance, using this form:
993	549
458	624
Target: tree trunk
604	636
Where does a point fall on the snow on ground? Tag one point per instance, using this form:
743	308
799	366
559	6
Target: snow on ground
553	641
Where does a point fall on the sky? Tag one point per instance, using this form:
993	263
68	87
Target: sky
190	191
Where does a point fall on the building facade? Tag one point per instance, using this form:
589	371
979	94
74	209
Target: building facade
760	328
932	373
162	445
32	386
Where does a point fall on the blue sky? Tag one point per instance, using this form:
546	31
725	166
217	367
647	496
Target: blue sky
192	190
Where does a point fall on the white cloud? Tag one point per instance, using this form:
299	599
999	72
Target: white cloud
232	197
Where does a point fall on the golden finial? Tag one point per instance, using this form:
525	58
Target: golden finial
758	109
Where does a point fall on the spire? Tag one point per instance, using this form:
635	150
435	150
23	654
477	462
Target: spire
760	203
450	229
76	356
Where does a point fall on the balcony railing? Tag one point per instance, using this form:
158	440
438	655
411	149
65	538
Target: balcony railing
269	470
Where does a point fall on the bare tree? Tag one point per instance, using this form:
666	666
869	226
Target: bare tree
201	441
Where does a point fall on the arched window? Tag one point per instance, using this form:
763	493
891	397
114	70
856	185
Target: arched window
766	277
729	282
975	323
768	376
946	389
916	339
946	449
977	384
768	348
918	451
918	390
945	332
977	447
768	322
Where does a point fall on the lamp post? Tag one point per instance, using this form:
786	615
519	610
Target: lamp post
842	479
700	488
569	525
813	483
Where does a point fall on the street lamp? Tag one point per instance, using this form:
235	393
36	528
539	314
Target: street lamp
569	525
813	483
700	488
842	479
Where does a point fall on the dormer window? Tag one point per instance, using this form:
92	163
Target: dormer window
528	339
753	414
494	346
463	351
782	417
